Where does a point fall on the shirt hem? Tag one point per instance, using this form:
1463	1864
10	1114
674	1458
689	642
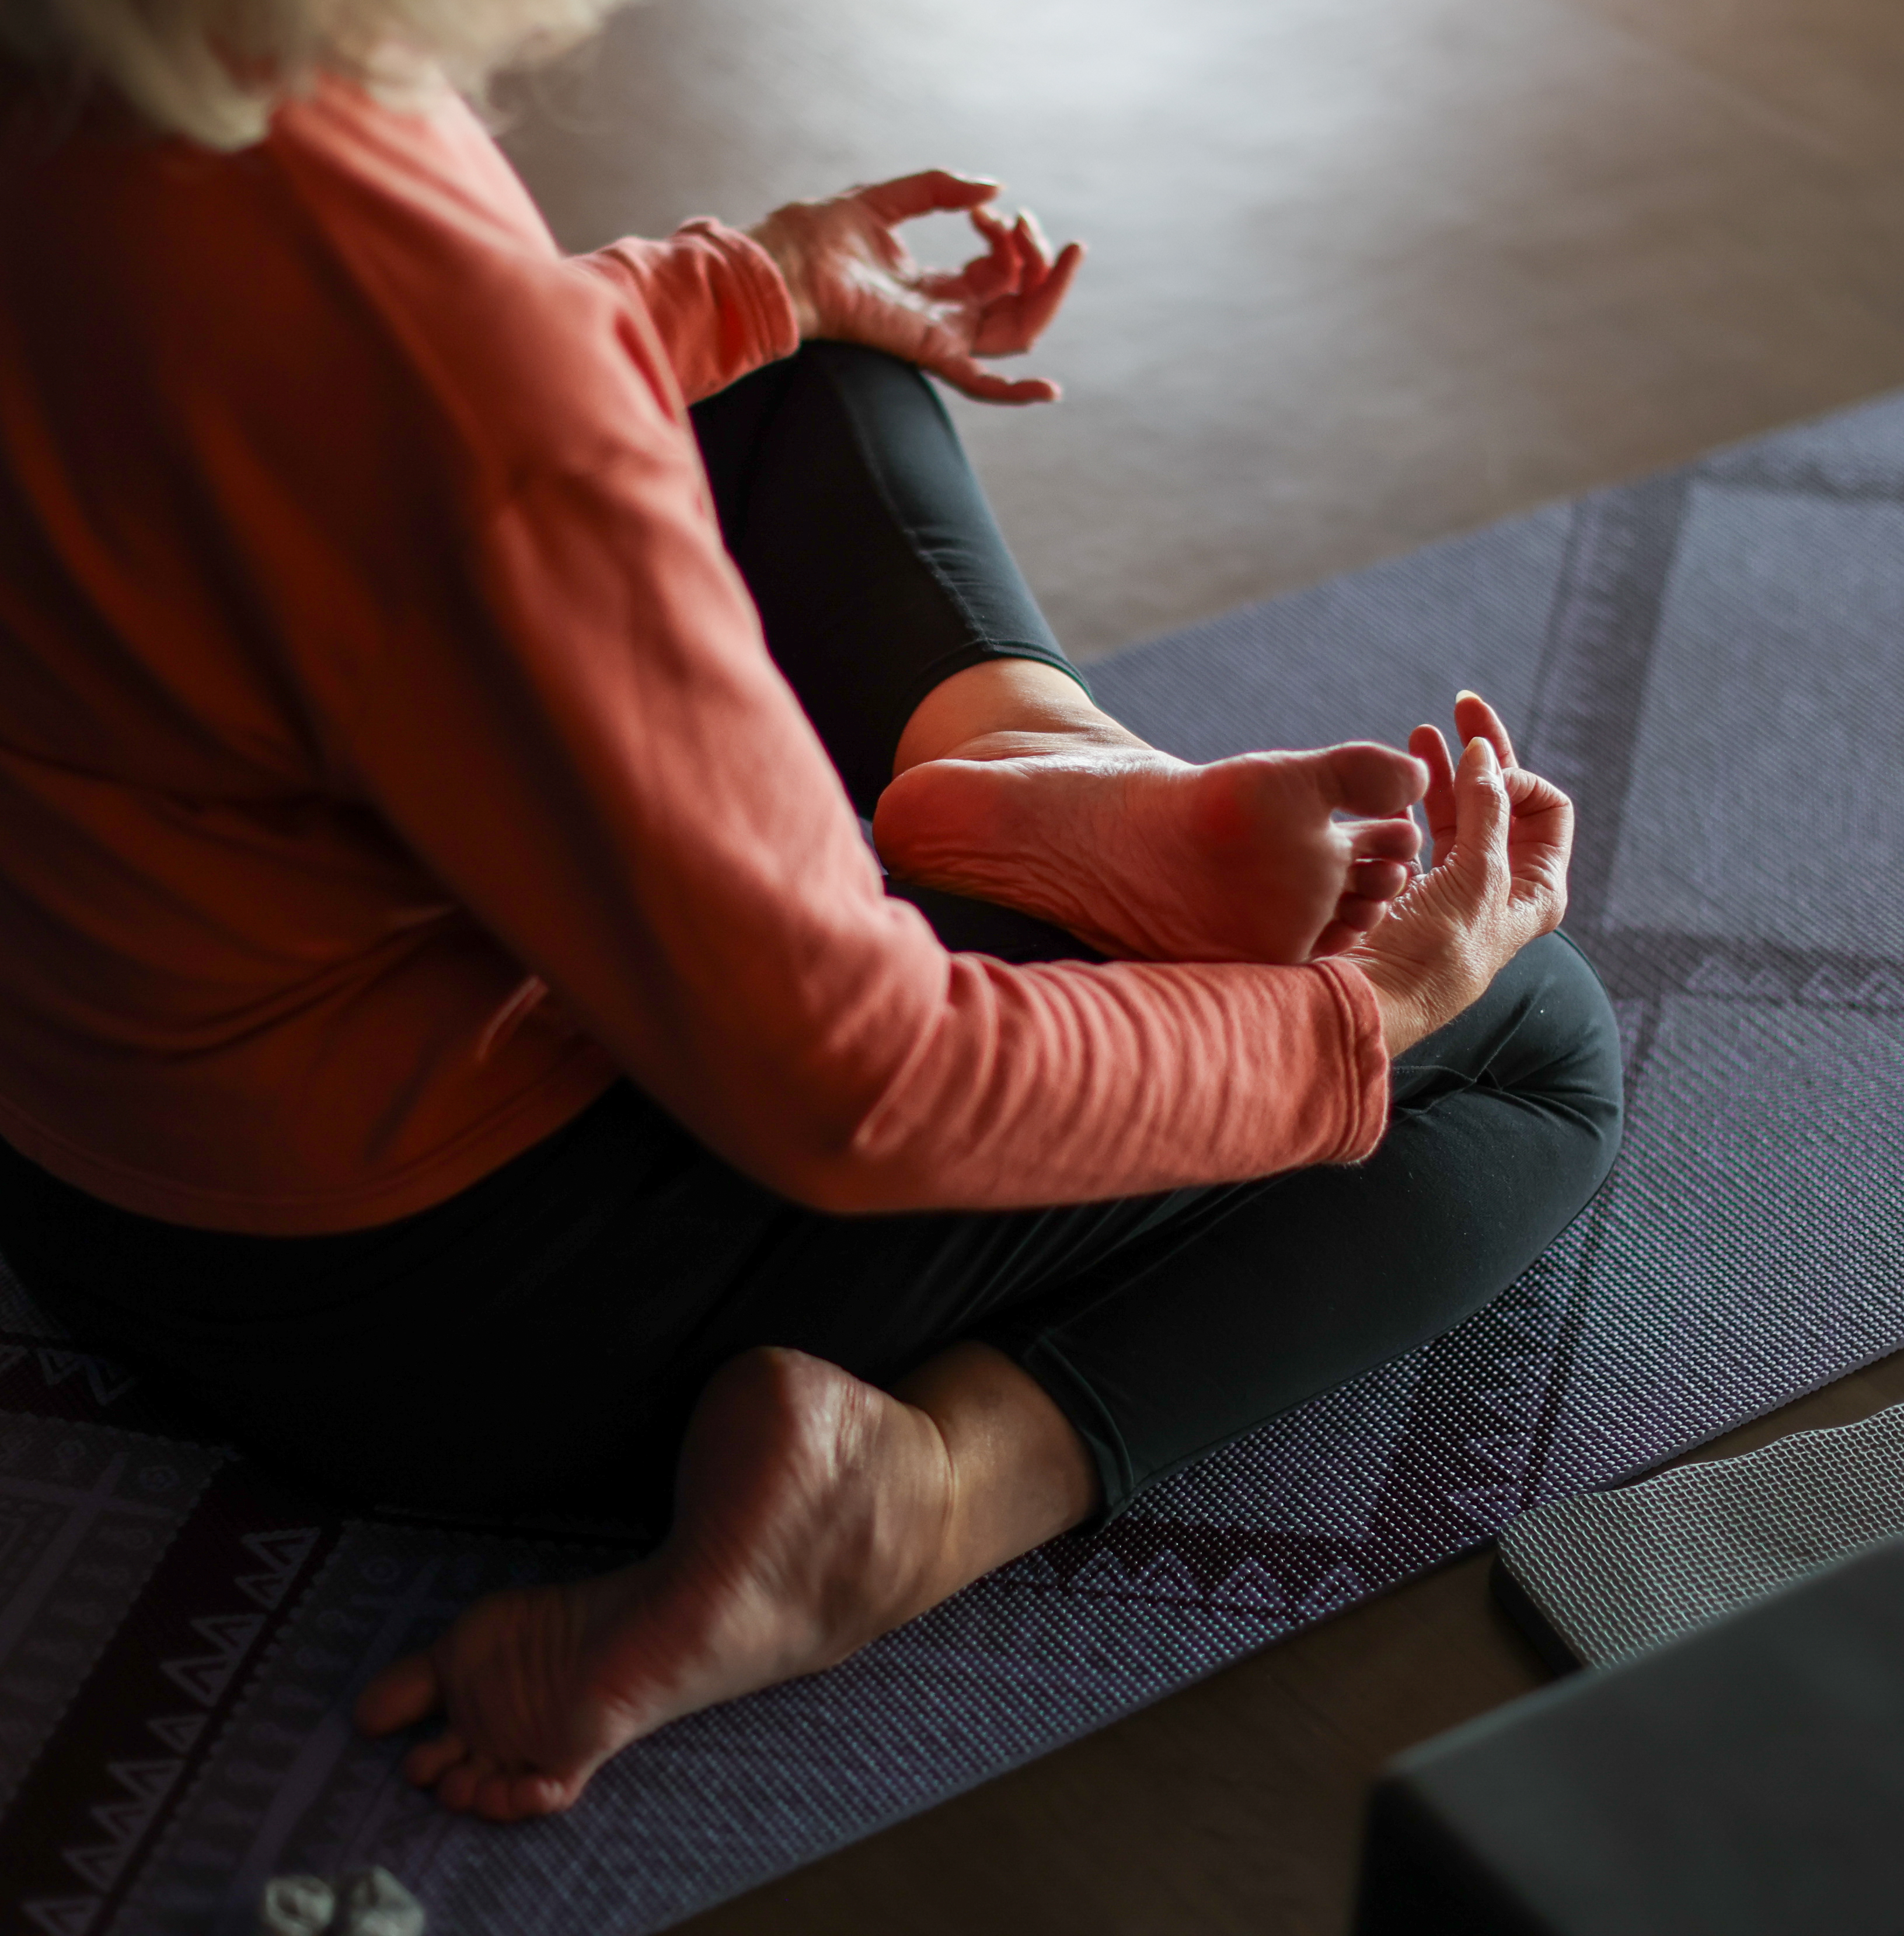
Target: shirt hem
555	1101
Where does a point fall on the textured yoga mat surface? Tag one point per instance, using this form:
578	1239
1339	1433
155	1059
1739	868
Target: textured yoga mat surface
1711	662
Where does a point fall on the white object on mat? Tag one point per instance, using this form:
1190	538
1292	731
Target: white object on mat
1617	1572
371	1903
296	1905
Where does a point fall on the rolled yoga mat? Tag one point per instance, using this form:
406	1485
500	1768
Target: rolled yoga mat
1712	664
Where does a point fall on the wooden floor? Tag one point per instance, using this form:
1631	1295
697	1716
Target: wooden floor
1365	272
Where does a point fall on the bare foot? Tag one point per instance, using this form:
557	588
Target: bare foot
815	1513
1145	856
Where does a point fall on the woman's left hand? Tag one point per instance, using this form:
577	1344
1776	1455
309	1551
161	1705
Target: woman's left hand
852	279
1503	838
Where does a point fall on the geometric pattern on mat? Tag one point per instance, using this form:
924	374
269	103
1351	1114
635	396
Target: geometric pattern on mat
1711	662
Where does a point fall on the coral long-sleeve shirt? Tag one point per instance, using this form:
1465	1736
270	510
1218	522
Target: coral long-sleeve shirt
390	758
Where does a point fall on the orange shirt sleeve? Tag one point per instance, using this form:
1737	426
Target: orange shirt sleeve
715	298
586	740
406	519
615	780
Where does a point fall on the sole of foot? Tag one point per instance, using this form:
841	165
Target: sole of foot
1275	857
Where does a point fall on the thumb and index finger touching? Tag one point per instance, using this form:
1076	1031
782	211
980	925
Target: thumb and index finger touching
1501	827
1020	241
1474	719
1017	286
1542	815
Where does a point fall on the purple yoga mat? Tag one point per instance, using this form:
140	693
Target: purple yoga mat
1711	662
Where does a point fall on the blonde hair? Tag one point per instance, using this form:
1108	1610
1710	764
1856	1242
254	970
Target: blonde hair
214	70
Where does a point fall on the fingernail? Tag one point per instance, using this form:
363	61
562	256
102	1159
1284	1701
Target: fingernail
1466	692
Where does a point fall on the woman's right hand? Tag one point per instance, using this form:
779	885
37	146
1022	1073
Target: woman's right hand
1503	837
851	278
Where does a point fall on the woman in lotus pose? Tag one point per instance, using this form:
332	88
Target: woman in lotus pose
451	1014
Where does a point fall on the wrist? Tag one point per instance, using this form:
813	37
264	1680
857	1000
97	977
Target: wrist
776	237
1411	1008
1403	1023
1007	709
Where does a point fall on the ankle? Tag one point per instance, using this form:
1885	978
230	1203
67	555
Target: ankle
942	1556
1086	738
1004	699
1017	1472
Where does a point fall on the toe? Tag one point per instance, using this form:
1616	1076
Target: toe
1392	839
401	1696
1359	912
542	1795
429	1762
1363	778
1354	916
1333	940
494	1799
460	1786
1377	881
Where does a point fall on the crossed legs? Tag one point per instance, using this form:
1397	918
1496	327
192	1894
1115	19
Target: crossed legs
816	1508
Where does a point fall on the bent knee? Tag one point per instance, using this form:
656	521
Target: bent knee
1572	1054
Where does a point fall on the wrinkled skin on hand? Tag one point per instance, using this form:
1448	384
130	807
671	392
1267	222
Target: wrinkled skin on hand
1503	837
853	280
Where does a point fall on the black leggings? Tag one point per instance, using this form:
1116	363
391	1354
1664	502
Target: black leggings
538	1340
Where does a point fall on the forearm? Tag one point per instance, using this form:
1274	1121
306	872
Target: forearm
657	834
1065	1083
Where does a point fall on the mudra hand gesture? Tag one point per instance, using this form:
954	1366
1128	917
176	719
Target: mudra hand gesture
1503	837
852	279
